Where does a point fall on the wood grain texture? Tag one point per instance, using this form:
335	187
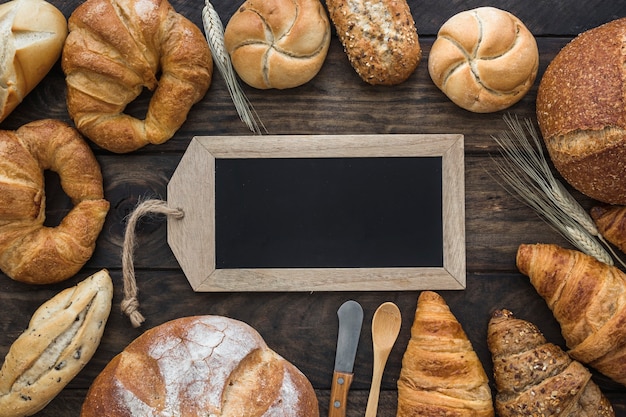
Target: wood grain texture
302	326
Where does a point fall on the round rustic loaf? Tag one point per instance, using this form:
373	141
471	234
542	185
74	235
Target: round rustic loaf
484	59
200	366
581	111
278	43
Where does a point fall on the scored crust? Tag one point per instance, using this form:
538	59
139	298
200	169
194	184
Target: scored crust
202	365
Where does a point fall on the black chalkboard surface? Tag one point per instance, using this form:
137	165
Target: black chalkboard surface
328	212
320	213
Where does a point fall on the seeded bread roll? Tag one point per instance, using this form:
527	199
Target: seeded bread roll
278	43
581	111
200	366
484	59
379	38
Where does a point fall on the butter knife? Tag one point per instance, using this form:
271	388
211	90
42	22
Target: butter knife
350	320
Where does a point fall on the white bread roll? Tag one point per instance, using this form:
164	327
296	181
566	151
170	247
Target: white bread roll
200	366
61	338
278	43
33	32
484	59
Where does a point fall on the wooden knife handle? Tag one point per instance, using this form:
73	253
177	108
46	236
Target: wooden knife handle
339	394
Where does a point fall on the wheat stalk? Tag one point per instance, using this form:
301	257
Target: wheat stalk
214	32
526	171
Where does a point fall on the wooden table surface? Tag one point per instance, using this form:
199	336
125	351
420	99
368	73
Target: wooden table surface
303	326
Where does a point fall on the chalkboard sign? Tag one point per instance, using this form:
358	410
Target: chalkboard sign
306	213
328	212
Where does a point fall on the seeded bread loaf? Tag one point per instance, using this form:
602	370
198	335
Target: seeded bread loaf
379	38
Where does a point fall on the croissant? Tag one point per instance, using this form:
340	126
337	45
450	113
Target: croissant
587	298
537	378
114	49
611	223
441	373
30	251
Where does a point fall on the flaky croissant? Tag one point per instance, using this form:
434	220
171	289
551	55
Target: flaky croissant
116	48
441	373
587	298
30	251
537	378
611	223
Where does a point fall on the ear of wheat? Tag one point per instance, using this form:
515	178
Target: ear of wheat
214	32
525	172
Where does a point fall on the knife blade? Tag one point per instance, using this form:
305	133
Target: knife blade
350	316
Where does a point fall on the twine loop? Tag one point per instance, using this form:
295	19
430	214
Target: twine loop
130	303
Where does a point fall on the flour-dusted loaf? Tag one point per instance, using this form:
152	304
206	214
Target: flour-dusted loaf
581	111
200	366
379	38
484	59
62	336
278	43
33	32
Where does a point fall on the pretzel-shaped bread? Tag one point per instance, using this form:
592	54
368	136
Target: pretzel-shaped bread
114	49
29	251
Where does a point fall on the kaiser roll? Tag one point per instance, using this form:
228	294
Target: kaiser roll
278	43
581	112
484	59
200	366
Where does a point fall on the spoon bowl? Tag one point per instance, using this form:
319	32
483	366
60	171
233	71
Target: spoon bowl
385	329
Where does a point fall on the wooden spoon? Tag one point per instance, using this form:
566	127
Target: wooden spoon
385	328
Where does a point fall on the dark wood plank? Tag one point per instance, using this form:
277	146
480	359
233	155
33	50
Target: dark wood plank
302	326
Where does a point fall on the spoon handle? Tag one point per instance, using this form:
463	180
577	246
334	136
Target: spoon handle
380	360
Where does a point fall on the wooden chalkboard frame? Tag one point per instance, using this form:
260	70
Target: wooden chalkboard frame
192	189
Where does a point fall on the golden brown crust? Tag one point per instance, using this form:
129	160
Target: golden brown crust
204	365
62	336
484	59
588	299
534	377
25	64
278	43
115	48
379	38
29	251
581	111
441	374
611	223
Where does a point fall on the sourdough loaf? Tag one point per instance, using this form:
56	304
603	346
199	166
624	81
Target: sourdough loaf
203	365
581	111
